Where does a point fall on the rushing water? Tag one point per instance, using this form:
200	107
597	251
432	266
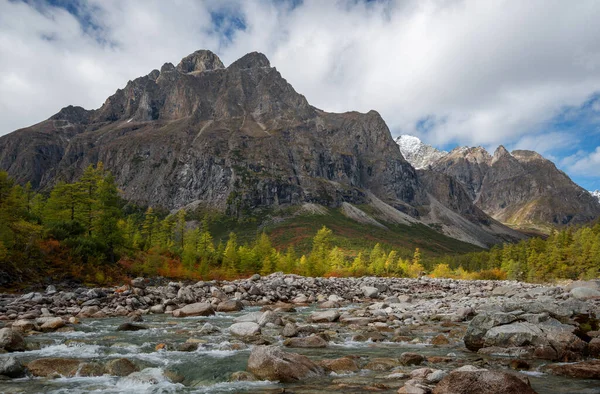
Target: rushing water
208	369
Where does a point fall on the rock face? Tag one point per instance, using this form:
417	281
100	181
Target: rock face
474	382
519	188
234	139
272	363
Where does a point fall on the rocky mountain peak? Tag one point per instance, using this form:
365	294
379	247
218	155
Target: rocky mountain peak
72	114
417	153
251	60
526	155
199	61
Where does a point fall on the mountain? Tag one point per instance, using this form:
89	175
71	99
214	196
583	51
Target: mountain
417	153
239	139
596	193
521	188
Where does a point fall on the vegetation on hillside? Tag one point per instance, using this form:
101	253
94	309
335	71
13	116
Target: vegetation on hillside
84	231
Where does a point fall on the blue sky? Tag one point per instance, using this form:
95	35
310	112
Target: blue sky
457	72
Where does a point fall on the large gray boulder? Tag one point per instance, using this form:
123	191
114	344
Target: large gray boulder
11	367
272	363
585	293
197	309
324	317
244	329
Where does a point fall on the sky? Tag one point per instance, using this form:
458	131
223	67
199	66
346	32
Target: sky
524	74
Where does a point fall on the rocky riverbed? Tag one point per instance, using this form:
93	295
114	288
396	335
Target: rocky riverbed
304	335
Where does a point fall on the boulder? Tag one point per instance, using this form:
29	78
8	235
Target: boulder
24	325
197	309
52	324
410	358
11	367
479	326
131	327
139	283
244	329
289	330
584	370
585	293
340	365
230	306
121	367
324	317
11	340
476	382
157	309
54	367
272	363
370	291
313	341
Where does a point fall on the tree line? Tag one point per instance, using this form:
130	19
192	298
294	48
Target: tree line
84	231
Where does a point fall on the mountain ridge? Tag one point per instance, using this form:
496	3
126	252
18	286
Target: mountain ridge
237	139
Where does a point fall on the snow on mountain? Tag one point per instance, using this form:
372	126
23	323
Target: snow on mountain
417	153
596	193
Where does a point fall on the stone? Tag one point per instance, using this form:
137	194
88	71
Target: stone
157	309
272	363
121	367
11	367
410	358
131	327
244	329
476	382
583	370
24	325
313	341
340	365
52	324
440	340
370	291
91	369
230	306
11	340
208	328
54	367
196	309
242	376
324	317
382	364
479	326
139	283
289	330
585	293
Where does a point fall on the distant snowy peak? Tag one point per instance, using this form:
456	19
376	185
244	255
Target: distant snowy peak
417	153
596	193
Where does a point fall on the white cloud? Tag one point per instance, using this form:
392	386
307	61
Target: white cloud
489	72
583	163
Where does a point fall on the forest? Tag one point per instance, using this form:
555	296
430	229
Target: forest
83	231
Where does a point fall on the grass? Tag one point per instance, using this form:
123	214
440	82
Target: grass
349	235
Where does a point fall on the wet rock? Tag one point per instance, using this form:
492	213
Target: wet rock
410	358
476	382
208	329
11	367
121	367
91	369
187	347
244	329
197	309
11	340
382	364
131	327
340	365
52	324
324	317
584	370
24	325
230	306
242	376
249	317
272	363
313	341
54	367
440	340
